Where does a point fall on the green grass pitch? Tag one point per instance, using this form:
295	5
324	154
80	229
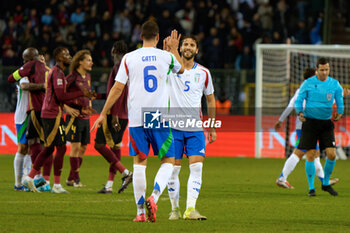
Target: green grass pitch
237	195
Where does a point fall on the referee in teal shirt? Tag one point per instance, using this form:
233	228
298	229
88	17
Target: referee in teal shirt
319	93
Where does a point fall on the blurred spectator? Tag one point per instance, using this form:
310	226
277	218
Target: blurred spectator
231	23
315	35
47	18
78	16
247	59
301	36
265	13
214	54
122	24
186	17
223	104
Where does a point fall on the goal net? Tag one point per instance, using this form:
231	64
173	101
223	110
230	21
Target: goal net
279	74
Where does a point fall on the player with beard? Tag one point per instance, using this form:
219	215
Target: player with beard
52	120
186	91
112	130
145	71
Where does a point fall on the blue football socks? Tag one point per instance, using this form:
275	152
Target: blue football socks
310	173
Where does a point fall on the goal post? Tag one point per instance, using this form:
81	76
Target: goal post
279	70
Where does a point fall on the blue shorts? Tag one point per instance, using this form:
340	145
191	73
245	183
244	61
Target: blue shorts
190	143
162	142
21	132
298	131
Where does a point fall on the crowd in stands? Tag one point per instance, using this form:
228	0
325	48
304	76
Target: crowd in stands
227	29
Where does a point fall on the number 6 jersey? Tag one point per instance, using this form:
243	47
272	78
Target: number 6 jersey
145	71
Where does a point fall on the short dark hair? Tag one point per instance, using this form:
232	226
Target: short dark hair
321	61
149	30
308	73
189	37
120	47
57	52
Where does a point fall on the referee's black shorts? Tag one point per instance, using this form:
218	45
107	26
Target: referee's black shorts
77	130
314	130
106	134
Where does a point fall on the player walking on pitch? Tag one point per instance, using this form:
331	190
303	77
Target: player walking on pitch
112	130
145	70
186	93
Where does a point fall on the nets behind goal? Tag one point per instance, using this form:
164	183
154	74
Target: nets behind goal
278	75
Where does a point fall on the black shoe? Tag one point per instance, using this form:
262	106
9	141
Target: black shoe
106	191
126	180
329	189
312	193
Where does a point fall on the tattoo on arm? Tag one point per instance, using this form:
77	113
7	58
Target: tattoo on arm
33	86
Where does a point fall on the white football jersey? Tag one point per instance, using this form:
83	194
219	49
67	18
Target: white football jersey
22	102
145	71
186	91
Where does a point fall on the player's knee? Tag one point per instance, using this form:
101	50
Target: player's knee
22	148
331	153
168	160
299	153
310	155
83	148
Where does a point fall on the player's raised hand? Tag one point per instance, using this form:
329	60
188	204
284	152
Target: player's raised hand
211	135
346	92
98	122
165	44
278	125
174	40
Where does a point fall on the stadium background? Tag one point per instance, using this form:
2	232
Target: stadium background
227	31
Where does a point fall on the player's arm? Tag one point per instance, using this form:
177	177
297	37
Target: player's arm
21	72
33	86
288	110
172	44
71	111
59	88
211	116
299	101
340	102
113	96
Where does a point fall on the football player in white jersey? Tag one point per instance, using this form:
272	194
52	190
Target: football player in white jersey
145	71
22	162
186	91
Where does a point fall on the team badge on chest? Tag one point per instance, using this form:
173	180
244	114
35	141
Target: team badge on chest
329	96
197	77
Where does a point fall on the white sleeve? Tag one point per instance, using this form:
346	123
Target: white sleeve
23	80
123	72
174	64
289	108
208	88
